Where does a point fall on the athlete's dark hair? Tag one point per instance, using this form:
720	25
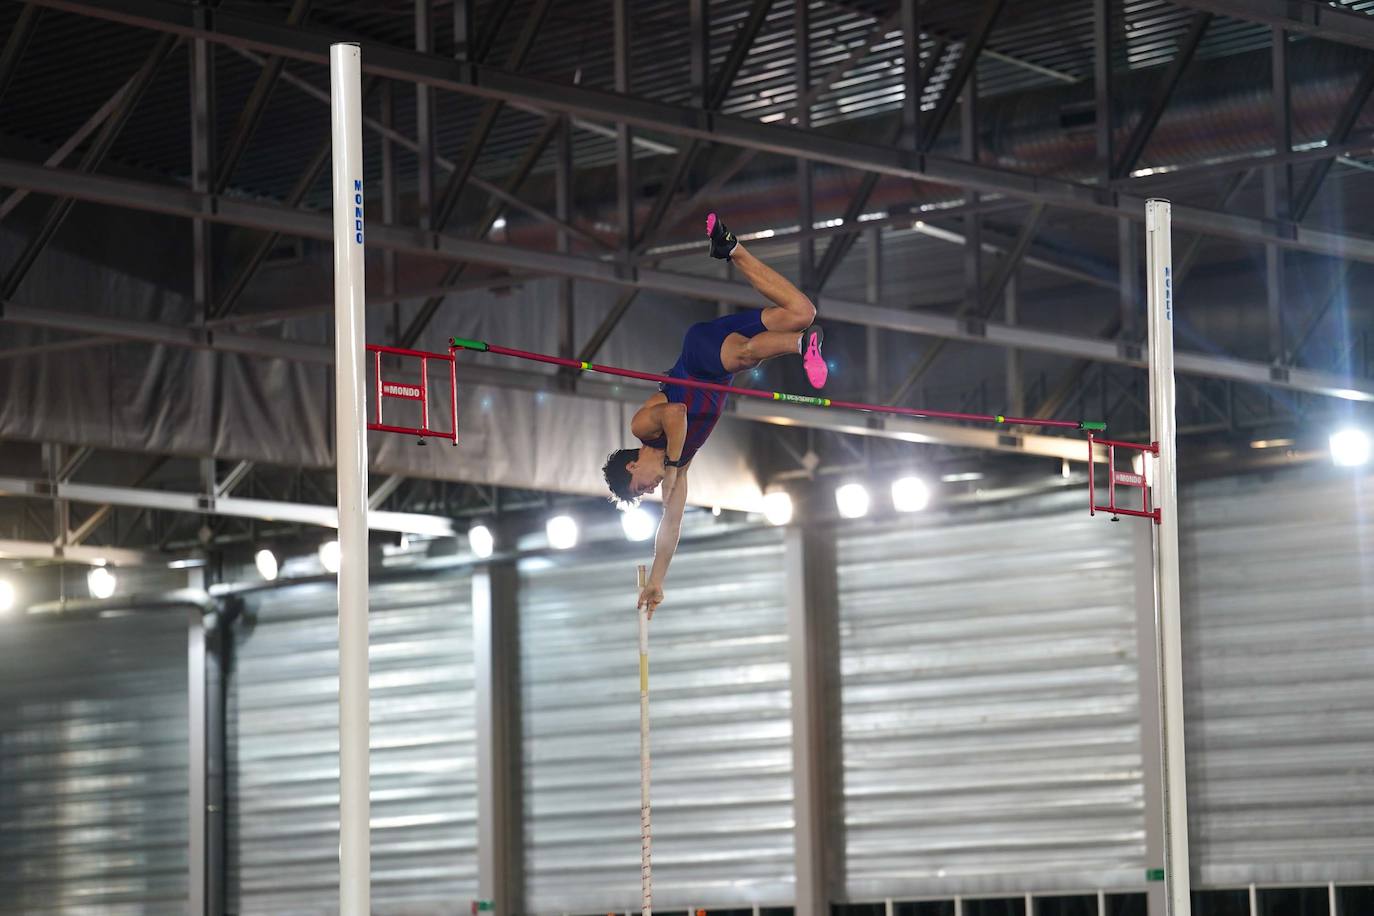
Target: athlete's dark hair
618	476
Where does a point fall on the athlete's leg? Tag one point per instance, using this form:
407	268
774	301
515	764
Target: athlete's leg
792	310
740	353
788	322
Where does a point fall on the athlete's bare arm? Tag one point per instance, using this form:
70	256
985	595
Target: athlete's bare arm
665	542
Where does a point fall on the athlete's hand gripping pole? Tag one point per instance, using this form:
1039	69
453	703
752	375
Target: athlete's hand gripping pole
646	833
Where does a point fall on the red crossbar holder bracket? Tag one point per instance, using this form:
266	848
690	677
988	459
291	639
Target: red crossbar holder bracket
409	391
1120	478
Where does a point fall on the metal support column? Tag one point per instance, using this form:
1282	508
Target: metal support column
390	200
806	252
218	655
563	209
202	171
699	19
464	30
1278	190
812	636
1128	281
1016	393
424	116
197	806
973	222
496	667
874	291
1102	86
912	82
624	147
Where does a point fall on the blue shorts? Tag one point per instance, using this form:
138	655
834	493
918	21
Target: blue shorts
700	358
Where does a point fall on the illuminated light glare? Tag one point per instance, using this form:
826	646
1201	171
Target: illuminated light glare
481	540
777	507
960	478
715	511
1271	443
562	532
6	596
637	524
1350	448
1064	469
851	500
266	562
1140	465
910	494
499	224
329	556
101	582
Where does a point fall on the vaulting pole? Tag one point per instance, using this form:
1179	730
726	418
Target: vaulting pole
646	833
345	82
1159	254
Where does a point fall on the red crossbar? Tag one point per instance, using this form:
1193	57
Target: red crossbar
772	395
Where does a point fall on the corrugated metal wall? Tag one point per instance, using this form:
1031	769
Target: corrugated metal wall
990	707
722	760
1279	677
283	749
93	764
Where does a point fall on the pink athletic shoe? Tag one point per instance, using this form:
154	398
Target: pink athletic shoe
812	361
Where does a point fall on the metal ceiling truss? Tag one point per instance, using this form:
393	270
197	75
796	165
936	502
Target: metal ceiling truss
256	214
494	83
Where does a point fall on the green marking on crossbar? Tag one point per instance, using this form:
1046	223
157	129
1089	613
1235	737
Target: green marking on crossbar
1095	426
800	399
464	343
1154	874
1001	419
586	365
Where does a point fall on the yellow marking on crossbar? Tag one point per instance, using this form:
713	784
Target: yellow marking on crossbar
644	674
586	365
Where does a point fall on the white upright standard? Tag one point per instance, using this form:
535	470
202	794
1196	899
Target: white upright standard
1160	282
646	830
350	411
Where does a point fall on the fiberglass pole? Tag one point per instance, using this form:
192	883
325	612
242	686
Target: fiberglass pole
646	832
1169	628
345	83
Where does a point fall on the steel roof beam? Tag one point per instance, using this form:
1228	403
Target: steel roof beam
233	506
1303	17
489	82
1149	118
15	44
188	204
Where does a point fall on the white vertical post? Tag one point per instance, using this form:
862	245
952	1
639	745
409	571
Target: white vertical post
646	833
1159	252
345	82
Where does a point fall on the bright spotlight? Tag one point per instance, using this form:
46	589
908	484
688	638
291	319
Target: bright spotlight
562	532
910	494
637	523
101	582
852	500
6	596
498	224
266	562
777	507
1350	448
329	556
481	540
